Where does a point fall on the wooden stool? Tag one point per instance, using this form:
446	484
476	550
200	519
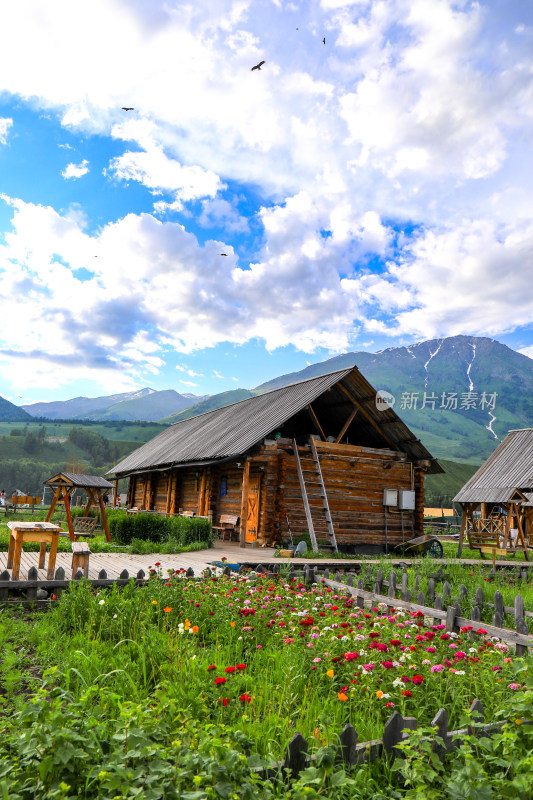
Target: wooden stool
80	558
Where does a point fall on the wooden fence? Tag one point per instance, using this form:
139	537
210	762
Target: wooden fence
396	730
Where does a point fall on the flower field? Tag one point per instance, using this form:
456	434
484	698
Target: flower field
250	657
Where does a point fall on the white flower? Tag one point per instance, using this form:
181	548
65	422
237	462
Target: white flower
397	682
191	630
454	635
472	650
460	672
115	616
101	602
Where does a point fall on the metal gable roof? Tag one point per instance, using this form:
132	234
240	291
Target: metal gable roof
508	468
231	431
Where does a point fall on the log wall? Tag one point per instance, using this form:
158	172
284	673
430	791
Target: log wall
354	477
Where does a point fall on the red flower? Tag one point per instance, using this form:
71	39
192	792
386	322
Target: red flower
241	666
418	679
395	642
373	634
245	698
481	631
212	666
466	628
229	669
219	681
407	693
224	701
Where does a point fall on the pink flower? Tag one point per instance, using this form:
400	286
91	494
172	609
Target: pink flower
368	667
431	650
437	668
514	686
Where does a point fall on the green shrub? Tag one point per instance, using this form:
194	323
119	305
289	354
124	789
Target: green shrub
178	530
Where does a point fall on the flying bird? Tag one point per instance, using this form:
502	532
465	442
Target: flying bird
223	254
257	66
127	109
324	40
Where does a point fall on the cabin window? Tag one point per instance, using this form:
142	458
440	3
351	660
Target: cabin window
223	485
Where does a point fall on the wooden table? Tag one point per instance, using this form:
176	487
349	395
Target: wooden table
43	532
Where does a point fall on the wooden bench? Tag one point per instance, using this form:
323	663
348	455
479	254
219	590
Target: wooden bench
84	527
488	542
227	526
80	558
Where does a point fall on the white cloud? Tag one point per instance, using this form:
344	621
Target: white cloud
76	170
188	383
5	125
217	374
415	115
526	351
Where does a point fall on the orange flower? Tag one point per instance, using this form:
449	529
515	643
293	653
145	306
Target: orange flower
342	696
195	628
330	673
167	609
379	694
232	624
154	602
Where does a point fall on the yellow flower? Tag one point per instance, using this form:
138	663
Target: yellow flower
187	624
379	694
330	673
519	721
154	602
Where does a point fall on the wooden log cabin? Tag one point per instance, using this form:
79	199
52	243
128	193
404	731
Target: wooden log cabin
315	456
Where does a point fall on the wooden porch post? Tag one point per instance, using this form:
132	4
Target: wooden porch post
244	501
463	528
115	493
169	492
201	493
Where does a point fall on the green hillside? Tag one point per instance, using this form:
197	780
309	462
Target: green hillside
439	490
29	456
12	413
210	404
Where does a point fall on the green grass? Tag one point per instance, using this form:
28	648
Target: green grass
162	691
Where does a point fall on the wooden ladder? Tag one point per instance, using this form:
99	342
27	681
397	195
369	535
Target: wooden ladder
323	497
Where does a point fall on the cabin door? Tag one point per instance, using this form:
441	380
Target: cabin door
252	516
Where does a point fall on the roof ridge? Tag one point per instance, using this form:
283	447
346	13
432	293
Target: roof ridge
345	370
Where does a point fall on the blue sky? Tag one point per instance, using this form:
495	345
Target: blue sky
368	192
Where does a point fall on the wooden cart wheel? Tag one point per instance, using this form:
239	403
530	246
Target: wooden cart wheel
434	549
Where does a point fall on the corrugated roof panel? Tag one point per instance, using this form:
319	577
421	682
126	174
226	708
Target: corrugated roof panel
510	465
233	430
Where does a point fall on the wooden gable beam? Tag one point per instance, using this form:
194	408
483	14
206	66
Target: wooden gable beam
347	425
315	420
367	416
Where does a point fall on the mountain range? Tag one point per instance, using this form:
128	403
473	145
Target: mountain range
144	404
460	395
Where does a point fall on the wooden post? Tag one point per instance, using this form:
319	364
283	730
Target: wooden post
115	492
462	533
70	524
102	514
419	501
57	495
169	493
201	493
244	501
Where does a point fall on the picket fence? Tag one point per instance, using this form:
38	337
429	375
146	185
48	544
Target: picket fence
397	729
